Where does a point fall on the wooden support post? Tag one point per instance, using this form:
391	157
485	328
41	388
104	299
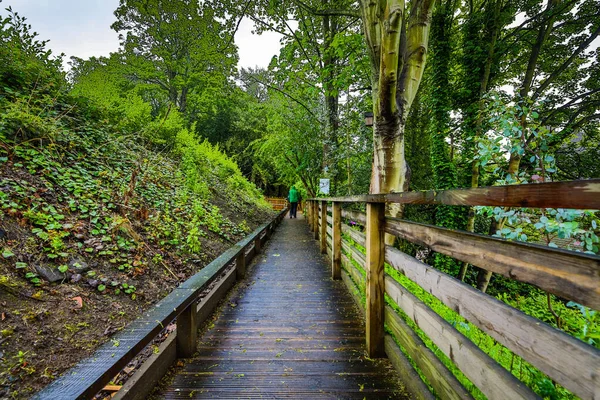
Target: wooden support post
240	265
316	219
336	241
257	243
309	214
323	232
187	332
375	279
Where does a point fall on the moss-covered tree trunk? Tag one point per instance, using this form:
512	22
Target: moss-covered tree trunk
443	166
478	85
397	39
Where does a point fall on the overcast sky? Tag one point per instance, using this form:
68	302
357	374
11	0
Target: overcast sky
82	28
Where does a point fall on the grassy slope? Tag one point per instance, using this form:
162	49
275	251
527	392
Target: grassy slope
140	219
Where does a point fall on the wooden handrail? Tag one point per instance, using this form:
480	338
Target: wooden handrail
89	376
570	194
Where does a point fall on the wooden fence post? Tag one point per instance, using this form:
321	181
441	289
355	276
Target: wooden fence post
316	219
375	279
323	227
336	241
309	214
257	243
240	265
187	332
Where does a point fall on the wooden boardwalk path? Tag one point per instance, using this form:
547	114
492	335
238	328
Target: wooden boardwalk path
291	333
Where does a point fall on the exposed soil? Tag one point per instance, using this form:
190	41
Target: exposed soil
47	328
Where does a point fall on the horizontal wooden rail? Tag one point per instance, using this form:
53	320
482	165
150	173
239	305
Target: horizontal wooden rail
571	194
89	376
569	361
489	376
569	274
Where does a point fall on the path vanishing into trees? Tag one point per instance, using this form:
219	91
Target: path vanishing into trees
290	332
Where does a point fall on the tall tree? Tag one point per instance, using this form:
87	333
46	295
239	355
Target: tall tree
179	47
397	35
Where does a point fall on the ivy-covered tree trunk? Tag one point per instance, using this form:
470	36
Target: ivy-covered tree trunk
443	166
397	39
480	55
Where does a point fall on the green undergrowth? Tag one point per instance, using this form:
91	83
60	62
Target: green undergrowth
95	184
576	320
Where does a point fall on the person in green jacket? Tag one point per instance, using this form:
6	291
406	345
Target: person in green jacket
293	198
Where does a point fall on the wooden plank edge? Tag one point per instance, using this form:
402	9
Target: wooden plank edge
355	235
569	361
491	378
354	291
439	377
417	389
143	381
353	271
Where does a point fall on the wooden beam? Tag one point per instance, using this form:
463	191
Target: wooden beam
584	194
353	271
336	241
309	212
444	384
375	282
240	265
417	388
187	332
355	216
317	220
355	235
568	361
490	377
143	381
354	292
323	233
356	255
571	275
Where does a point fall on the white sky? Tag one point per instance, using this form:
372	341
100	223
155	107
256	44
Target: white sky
82	28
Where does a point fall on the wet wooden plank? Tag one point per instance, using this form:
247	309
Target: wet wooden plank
569	361
571	275
355	235
92	374
413	381
444	384
292	332
571	194
490	377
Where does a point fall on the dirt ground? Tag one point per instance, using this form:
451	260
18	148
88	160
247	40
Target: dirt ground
46	329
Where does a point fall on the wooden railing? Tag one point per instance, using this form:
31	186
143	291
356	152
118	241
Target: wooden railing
91	375
571	275
278	203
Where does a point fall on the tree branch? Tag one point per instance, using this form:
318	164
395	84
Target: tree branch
566	64
288	96
325	13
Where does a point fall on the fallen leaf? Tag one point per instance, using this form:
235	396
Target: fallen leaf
79	301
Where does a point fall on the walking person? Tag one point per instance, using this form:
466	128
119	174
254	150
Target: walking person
293	199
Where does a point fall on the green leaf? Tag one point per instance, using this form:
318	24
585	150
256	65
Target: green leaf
63	268
6	253
21	265
101	288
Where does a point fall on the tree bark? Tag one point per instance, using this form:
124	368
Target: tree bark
397	40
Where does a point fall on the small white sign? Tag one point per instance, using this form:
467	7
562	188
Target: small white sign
324	186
